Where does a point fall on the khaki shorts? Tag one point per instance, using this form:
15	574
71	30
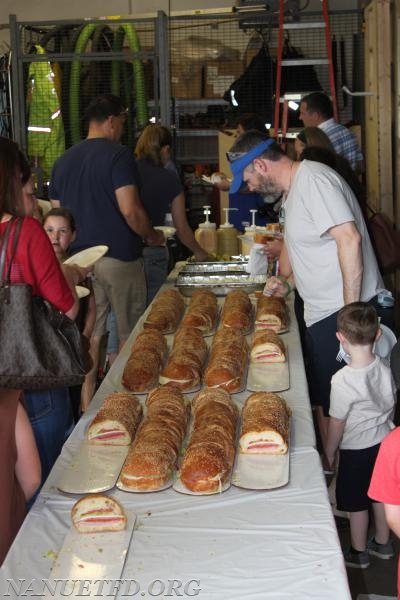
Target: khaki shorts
121	287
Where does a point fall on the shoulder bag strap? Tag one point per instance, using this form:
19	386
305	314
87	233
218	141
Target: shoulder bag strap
4	244
17	231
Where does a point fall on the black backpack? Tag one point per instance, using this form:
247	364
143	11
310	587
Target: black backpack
254	90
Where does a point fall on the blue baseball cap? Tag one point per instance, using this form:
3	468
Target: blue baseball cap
238	165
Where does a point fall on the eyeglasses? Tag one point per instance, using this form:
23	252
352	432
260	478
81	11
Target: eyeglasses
232	156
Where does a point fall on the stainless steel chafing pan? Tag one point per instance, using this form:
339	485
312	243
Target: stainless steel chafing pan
219	282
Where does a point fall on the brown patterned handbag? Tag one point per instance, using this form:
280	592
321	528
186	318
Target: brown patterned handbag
385	240
40	347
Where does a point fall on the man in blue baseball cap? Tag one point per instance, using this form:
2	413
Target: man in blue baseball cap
327	243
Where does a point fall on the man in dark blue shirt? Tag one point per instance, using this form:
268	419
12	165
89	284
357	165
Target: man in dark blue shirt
97	180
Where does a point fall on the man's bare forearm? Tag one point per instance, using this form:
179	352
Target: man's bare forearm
139	222
351	265
349	249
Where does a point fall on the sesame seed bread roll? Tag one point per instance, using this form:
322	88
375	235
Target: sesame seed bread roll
97	513
271	313
209	456
265	425
117	420
267	347
237	311
152	457
166	311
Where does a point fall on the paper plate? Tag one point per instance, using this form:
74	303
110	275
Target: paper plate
81	291
167	231
91	557
87	257
215	178
44	205
95	468
261	471
382	347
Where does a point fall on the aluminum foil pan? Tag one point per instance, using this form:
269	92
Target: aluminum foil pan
219	283
215	267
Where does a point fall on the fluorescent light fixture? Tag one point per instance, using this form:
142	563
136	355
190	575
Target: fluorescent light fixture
39	129
293	105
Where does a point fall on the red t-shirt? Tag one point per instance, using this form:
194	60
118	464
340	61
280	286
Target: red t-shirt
35	263
385	481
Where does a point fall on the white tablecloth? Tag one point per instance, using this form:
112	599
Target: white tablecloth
241	545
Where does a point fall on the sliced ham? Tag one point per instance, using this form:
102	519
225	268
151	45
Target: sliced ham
97	513
267	347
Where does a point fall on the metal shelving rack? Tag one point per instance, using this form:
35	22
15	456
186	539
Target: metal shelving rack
193	39
154	52
195	145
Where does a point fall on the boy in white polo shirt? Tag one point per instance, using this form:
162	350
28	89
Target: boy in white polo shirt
361	411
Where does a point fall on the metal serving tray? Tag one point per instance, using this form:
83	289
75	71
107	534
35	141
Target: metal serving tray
219	282
215	267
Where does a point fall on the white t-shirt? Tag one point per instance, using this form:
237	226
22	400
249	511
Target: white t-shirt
318	200
365	398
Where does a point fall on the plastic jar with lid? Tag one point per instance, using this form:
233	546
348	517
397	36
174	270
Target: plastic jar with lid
227	235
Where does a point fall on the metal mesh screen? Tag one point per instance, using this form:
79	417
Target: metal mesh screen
5	104
87	59
208	55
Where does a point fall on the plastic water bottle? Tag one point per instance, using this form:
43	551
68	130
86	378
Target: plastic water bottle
168	222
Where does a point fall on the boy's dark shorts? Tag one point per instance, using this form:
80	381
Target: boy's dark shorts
353	478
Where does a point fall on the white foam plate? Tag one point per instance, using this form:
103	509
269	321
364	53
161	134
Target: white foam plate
91	557
81	291
45	205
167	231
86	258
93	469
215	178
261	471
268	377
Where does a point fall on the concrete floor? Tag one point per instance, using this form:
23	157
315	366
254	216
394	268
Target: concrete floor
380	577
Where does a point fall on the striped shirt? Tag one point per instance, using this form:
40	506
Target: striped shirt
343	141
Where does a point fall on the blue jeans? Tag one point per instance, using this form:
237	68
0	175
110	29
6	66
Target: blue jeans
113	340
155	269
50	414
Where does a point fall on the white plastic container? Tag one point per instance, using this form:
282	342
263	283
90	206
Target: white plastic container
246	240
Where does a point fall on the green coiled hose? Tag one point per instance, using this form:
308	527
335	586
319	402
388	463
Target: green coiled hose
74	87
75	75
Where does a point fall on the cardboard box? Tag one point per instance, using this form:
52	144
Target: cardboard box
219	75
186	80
